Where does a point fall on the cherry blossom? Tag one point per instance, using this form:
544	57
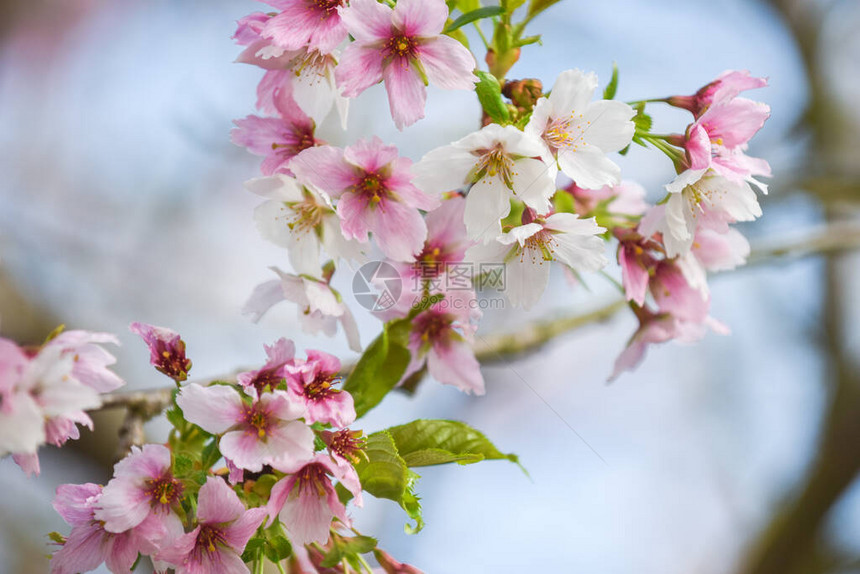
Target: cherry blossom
726	87
263	432
166	348
277	139
579	133
305	501
497	163
312	381
320	308
373	186
271	375
143	486
310	72
223	529
299	218
441	337
89	544
403	46
313	23
528	249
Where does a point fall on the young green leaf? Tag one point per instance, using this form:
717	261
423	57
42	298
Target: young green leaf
385	475
431	442
612	86
490	95
380	367
473	15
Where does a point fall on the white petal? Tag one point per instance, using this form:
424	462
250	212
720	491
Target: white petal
610	128
281	187
443	169
525	280
487	203
534	183
589	167
572	92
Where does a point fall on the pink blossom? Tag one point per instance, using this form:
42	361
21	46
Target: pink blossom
312	382
305	501
308	72
441	337
657	328
320	308
404	47
263	432
143	486
224	527
271	375
277	139
726	87
44	396
638	257
89	544
444	248
375	192
91	360
166	350
306	23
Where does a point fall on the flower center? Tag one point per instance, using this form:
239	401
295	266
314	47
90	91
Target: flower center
257	419
164	490
208	537
270	378
311	478
433	326
496	163
348	444
566	132
539	247
372	185
321	387
307	215
400	46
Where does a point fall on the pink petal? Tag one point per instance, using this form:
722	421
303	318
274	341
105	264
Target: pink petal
634	277
307	517
400	230
420	17
371	155
367	20
448	63
218	503
214	409
359	68
82	551
263	298
74	502
337	409
453	363
237	534
406	92
324	167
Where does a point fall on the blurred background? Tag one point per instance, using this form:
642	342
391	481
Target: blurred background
121	200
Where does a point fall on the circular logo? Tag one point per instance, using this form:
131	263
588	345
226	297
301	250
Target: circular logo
377	286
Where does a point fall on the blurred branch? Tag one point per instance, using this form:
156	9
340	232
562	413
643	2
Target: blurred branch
146	404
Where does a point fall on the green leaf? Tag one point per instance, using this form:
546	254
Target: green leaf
182	465
380	367
490	95
253	549
211	454
472	15
277	546
538	6
385	475
563	202
612	86
346	548
431	442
